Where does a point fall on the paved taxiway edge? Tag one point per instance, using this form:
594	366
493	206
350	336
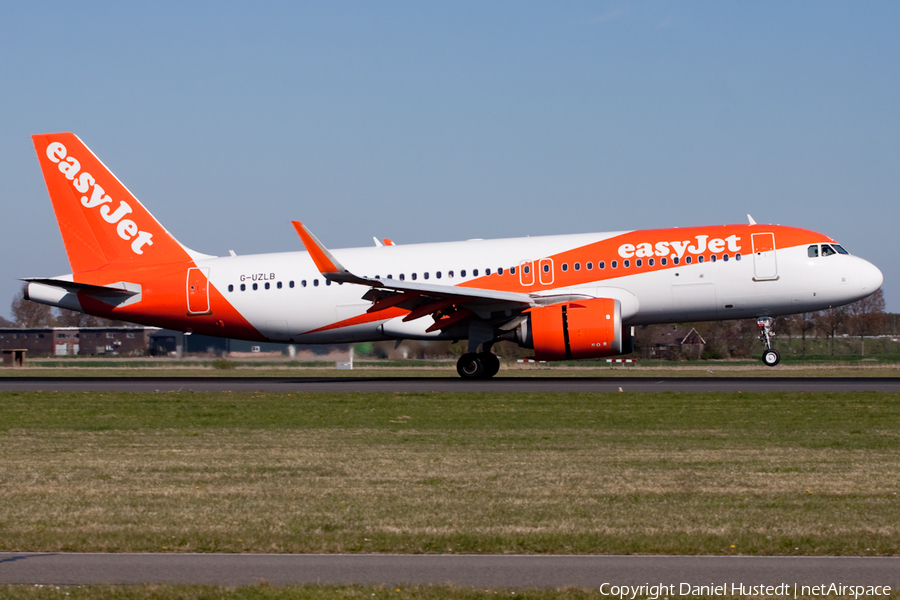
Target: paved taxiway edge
491	571
450	384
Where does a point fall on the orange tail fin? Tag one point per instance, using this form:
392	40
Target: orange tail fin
101	222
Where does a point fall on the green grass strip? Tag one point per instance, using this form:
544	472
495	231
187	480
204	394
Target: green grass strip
673	473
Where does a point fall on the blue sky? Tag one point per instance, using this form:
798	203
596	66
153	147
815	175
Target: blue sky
428	122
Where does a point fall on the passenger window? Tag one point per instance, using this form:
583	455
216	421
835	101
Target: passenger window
414	276
626	263
278	285
651	262
840	249
526	269
663	261
327	282
315	283
500	271
687	260
438	274
450	274
614	264
402	277
243	287
828	250
639	263
474	272
255	287
565	267
268	285
674	260
577	266
487	272
546	268
230	288
713	258
303	283
390	276
737	256
425	275
813	251
589	266
512	270
725	257
700	259
291	283
462	273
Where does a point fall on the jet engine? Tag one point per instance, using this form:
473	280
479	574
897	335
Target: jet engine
579	329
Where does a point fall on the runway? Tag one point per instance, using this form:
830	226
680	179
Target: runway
450	384
489	571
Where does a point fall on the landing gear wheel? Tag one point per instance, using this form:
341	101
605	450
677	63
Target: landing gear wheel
491	364
470	366
770	356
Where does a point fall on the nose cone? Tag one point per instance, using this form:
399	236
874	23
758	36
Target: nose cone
866	277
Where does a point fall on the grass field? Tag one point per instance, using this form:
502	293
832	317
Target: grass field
562	473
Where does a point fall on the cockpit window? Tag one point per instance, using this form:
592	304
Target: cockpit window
840	249
828	250
813	251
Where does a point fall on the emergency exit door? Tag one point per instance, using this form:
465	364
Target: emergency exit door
198	291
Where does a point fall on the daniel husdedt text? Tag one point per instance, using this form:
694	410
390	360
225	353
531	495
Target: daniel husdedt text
785	590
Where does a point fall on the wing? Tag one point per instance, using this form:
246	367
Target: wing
447	304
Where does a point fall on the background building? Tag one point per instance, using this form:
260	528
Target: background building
78	341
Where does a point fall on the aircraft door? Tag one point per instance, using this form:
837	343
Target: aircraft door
198	291
764	266
526	272
545	272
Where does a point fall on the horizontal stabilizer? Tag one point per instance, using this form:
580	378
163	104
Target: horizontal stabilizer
98	291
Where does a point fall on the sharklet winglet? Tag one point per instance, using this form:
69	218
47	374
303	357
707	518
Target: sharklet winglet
327	264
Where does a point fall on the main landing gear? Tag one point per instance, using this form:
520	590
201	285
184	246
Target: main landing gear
770	357
478	365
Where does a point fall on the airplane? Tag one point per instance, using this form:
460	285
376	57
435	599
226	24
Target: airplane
566	297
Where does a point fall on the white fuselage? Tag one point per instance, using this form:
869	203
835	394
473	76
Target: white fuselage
725	289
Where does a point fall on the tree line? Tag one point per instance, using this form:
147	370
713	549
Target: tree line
740	338
724	339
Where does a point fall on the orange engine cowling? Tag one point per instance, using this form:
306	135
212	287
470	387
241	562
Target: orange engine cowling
579	329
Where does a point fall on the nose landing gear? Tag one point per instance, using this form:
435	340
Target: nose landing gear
770	357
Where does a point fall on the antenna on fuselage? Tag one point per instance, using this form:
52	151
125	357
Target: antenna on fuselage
752	222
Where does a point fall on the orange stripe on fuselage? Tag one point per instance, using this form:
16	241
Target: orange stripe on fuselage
382	315
164	302
609	250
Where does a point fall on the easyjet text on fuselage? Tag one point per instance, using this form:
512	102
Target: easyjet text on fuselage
700	244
